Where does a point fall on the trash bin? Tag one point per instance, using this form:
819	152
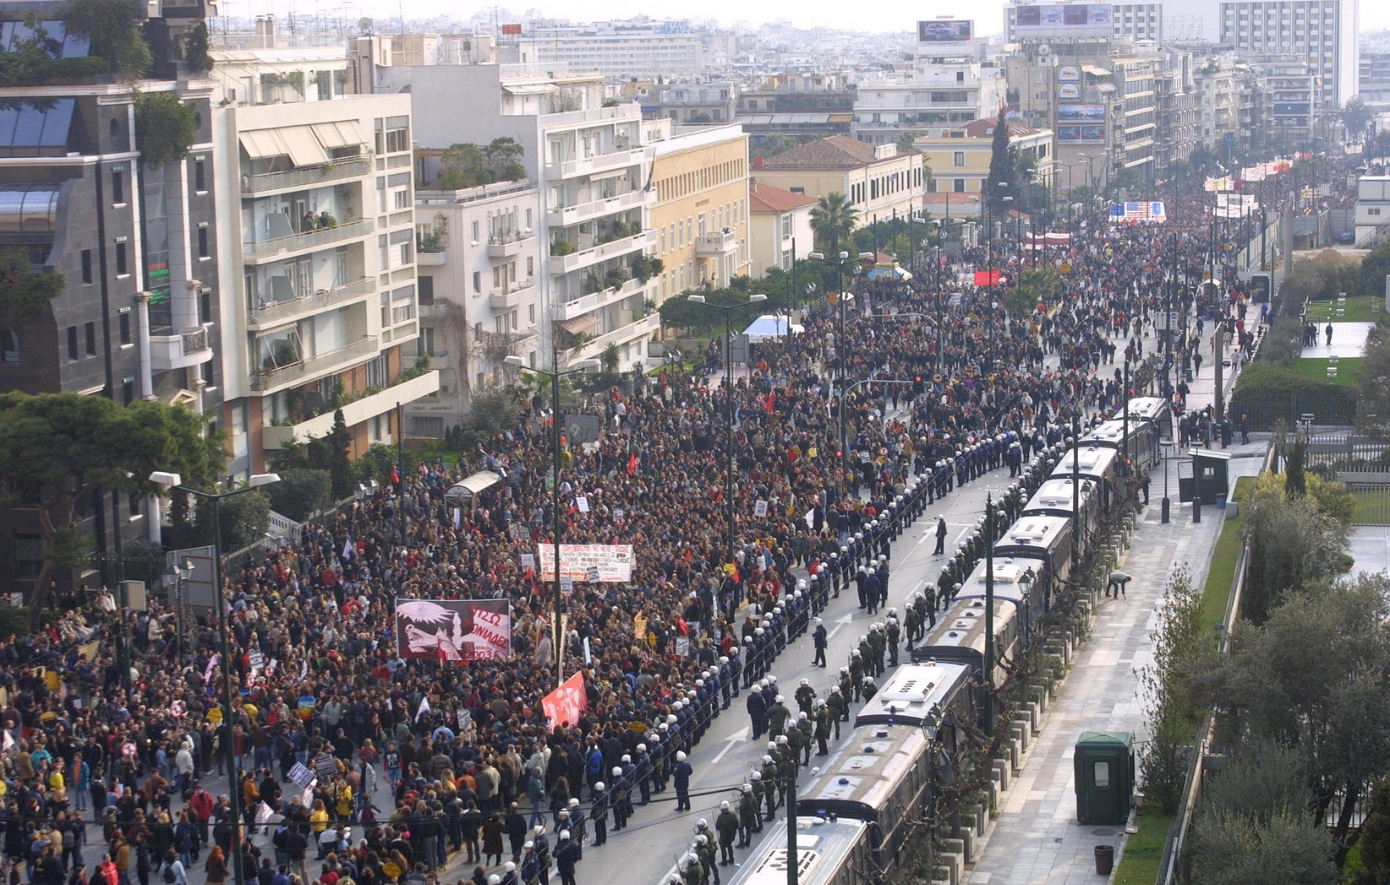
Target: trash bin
1220	502
1105	859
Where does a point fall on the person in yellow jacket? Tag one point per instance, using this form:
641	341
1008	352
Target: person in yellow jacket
342	800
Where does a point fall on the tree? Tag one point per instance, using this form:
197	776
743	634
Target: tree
1232	848
1374	390
195	49
1002	166
1292	543
1035	286
608	360
504	159
1375	267
833	219
1169	694
60	451
113	26
772	145
1374	841
24	295
165	128
340	457
300	492
464	165
243	521
1356	116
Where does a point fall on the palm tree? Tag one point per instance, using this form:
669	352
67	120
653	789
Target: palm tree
832	221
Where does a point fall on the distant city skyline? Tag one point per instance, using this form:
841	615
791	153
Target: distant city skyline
989	17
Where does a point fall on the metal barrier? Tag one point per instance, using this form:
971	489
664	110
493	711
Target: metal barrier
1326	410
1196	772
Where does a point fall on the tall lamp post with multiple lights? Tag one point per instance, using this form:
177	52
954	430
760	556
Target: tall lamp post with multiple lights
729	400
555	522
257	480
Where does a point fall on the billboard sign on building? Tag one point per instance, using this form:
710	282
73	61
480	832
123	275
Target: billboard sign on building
1063	17
1068	74
1068	92
1081	113
1076	134
945	31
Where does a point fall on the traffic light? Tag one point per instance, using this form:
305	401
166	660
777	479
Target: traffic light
917	385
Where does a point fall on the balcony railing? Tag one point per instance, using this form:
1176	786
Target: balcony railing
586	257
715	244
511	296
171	350
266	249
507	244
270	313
270	378
306	176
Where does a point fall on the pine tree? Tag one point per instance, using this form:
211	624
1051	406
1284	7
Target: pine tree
1001	166
339	442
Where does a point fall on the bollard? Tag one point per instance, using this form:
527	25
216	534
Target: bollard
1196	509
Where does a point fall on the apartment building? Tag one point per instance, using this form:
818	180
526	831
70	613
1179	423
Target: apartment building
1373	80
317	257
684	103
893	106
615	52
959	158
592	165
1290	103
1218	105
808	106
1320	33
1118	21
880	180
700	215
1176	135
135	239
480	263
779	227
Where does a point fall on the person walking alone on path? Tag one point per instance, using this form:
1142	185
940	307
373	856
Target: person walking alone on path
940	536
1329	334
821	639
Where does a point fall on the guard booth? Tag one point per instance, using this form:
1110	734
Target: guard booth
1104	767
1206	477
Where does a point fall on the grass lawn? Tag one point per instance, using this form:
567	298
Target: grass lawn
1372	508
1360	309
1143	851
1348	370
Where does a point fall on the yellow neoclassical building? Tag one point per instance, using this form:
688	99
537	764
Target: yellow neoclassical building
700	217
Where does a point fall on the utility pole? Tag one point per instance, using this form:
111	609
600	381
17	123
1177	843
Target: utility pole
989	615
792	871
1076	495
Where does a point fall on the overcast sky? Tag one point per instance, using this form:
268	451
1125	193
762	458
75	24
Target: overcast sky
1375	14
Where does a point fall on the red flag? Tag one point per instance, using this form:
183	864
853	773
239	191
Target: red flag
632	463
987	278
771	402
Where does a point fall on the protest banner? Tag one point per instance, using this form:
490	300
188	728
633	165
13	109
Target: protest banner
454	629
613	561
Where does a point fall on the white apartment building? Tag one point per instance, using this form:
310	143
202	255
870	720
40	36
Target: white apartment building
932	96
1218	116
317	258
1322	33
479	263
630	52
592	164
1118	21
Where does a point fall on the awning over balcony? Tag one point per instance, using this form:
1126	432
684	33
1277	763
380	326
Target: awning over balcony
344	133
296	142
530	88
1095	71
579	325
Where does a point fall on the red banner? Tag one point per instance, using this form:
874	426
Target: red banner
987	278
563	705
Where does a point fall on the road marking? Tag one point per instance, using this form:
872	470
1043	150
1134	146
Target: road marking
847	619
737	737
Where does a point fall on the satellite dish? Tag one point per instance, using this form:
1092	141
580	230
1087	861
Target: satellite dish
1044	50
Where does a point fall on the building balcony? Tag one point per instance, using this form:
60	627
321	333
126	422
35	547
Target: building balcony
586	257
512	296
268	380
281	247
179	350
274	313
308	176
595	300
616	159
355	412
510	244
644	328
582	212
716	244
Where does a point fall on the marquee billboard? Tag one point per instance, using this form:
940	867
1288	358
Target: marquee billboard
1063	17
945	31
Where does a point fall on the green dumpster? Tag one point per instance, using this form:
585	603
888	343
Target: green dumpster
1207	478
1104	767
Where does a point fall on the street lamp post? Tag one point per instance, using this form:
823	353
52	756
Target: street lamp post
729	400
174	580
257	480
558	601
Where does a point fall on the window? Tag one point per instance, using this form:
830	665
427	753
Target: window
202	242
118	186
1102	774
958	158
798	190
9	347
122	269
787	226
90	333
28	555
426	425
200	183
72	342
426	345
127	391
477	281
426	285
397	134
959	186
87	266
125	326
376	372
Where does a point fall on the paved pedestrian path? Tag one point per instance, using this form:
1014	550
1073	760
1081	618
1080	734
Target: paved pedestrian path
1037	840
1348	341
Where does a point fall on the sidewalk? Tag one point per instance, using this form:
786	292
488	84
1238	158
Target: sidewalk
1036	839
